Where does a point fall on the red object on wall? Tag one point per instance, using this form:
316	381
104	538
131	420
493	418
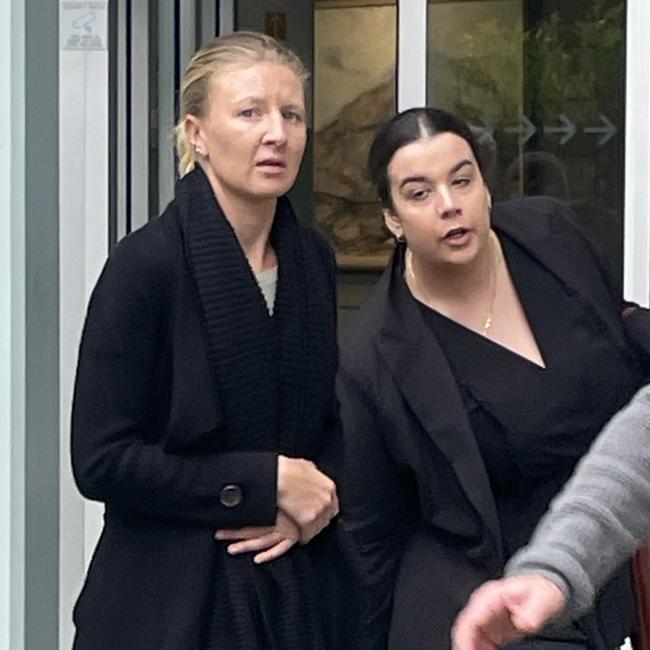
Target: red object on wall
641	566
275	25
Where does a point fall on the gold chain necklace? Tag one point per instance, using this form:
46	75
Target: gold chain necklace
487	323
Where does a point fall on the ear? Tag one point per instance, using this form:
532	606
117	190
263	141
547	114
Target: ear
195	135
393	222
488	198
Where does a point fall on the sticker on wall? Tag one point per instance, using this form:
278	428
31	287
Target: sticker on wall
83	25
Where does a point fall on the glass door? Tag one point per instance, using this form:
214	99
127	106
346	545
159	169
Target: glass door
542	83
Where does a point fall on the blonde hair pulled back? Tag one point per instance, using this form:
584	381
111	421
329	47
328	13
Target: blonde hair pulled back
231	50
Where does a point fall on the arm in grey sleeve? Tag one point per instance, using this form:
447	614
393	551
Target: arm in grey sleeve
601	516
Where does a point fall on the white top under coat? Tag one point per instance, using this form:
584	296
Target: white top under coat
268	283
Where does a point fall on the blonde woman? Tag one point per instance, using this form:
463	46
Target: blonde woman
203	406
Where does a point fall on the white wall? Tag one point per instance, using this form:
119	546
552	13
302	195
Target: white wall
12	319
5	320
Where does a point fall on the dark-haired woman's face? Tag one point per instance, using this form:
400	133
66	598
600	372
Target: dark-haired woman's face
440	202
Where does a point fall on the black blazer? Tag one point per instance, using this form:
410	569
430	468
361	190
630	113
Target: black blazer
150	440
416	498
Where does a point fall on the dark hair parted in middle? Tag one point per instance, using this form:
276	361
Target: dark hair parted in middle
404	128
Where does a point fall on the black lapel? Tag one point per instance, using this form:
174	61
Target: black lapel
305	326
424	377
238	328
549	237
290	321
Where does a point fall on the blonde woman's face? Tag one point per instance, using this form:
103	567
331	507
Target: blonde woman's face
254	133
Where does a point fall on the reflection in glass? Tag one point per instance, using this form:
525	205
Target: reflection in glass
542	84
354	86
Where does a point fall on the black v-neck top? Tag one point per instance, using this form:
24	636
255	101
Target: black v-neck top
533	424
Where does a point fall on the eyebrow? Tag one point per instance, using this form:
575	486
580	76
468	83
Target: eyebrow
422	179
459	165
294	107
249	98
413	179
259	101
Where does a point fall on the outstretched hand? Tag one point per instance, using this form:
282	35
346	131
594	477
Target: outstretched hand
505	610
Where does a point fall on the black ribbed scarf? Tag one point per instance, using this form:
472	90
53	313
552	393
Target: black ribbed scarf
271	374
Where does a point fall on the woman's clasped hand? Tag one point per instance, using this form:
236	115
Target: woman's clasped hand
307	502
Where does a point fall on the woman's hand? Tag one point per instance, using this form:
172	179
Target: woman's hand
273	541
307	495
506	610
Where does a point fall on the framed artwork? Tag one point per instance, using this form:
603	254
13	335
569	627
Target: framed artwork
354	93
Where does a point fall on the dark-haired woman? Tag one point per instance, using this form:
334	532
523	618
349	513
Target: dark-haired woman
488	357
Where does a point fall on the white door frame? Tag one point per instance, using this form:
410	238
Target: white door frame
411	53
636	257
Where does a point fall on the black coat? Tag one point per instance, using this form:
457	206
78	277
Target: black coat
186	391
416	497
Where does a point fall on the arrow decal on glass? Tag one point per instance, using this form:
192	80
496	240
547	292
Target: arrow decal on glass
525	130
567	130
606	132
482	133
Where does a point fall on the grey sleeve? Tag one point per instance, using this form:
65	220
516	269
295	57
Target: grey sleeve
601	516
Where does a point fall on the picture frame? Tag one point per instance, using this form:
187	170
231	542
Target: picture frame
354	93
